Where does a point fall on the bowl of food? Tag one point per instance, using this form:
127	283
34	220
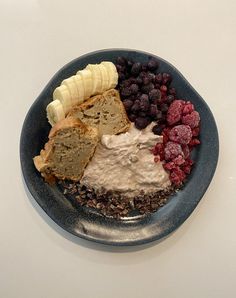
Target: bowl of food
119	148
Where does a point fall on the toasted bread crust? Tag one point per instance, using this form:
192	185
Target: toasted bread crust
68	122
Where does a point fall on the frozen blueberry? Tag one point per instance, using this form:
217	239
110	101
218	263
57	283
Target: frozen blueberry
144	97
142	114
144	66
134	88
153	110
151	76
157	129
139	80
142	74
152	64
144	103
132	117
166	78
164	107
136	68
146	80
125	83
130	64
120	68
158	78
121	76
121	61
156	101
154	94
127	104
141	122
172	91
147	88
125	92
135	107
159	116
169	99
132	97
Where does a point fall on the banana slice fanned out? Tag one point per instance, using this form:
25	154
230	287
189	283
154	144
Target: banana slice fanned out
63	95
105	78
55	112
96	78
80	88
112	73
86	77
70	84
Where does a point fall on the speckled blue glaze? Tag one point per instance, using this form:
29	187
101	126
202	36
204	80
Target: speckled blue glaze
89	224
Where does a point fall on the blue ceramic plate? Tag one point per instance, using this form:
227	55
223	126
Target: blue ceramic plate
89	224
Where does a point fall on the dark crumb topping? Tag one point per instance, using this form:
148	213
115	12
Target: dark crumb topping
113	204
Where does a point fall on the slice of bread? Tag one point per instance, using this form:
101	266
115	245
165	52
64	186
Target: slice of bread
70	147
104	112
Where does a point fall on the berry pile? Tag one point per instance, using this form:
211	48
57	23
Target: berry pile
148	96
145	92
179	138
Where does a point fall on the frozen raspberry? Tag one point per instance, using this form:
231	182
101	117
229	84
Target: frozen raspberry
188	162
165	138
194	142
177	176
172	150
188	108
181	134
186	151
165	134
175	110
169	165
154	151
166	130
158	147
179	160
186	169
159	150
187	165
192	119
195	131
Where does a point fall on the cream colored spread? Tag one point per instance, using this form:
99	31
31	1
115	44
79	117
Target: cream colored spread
124	163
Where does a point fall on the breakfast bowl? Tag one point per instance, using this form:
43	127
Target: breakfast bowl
89	223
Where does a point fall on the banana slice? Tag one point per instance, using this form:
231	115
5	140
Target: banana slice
86	76
96	77
63	95
70	84
55	112
112	73
105	78
80	87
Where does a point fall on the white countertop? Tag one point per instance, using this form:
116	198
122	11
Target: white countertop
37	258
